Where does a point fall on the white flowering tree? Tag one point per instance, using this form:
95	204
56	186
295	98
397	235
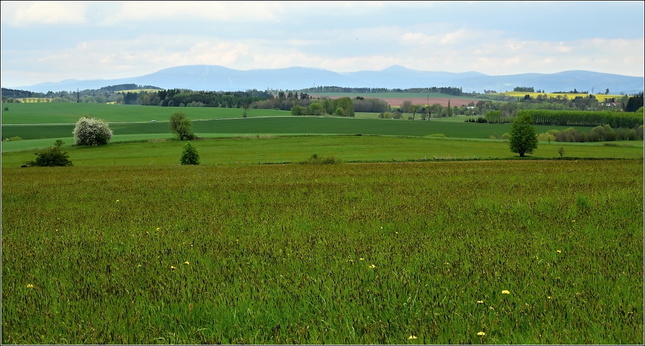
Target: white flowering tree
91	131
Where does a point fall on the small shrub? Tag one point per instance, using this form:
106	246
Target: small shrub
438	135
190	155
561	151
51	157
317	160
546	137
14	138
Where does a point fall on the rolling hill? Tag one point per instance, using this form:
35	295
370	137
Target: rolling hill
219	78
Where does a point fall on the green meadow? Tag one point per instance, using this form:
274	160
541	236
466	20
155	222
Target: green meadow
410	239
257	149
68	113
499	252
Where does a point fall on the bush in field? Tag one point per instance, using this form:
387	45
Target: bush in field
91	131
52	156
546	137
298	110
315	159
523	137
315	109
182	126
190	155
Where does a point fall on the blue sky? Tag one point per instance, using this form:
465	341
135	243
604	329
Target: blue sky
54	41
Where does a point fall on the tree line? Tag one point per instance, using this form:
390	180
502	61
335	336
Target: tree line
112	93
571	118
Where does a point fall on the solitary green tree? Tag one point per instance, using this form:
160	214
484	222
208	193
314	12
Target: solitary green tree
190	155
182	126
523	137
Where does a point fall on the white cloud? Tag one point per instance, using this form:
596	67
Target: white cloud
21	14
195	10
121	39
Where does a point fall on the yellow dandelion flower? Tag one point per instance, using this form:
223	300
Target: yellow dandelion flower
30	286
158	229
480	302
361	259
549	297
558	251
506	292
412	337
186	263
372	266
172	267
481	334
117	201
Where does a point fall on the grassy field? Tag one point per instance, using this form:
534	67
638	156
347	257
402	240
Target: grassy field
53	121
288	125
409	240
68	113
498	252
247	149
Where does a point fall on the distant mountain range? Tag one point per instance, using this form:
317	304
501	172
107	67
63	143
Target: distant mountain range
218	78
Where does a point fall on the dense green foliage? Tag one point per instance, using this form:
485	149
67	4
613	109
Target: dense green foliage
634	103
584	118
190	156
189	98
597	134
331	254
51	157
523	137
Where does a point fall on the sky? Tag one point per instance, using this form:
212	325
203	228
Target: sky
54	41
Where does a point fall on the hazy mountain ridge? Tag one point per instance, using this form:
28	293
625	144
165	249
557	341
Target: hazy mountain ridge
219	78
